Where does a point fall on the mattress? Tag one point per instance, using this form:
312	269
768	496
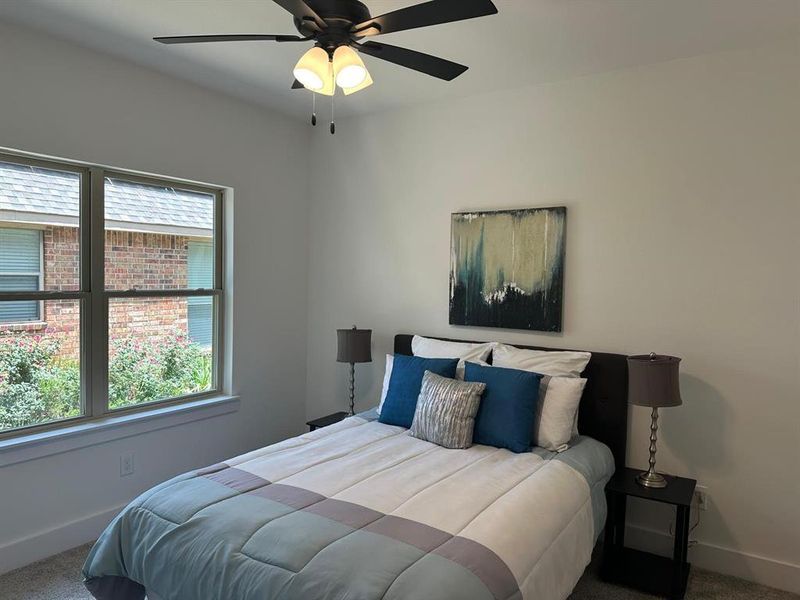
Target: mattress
361	510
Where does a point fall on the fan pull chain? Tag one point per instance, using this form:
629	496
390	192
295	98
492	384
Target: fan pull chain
333	125
313	109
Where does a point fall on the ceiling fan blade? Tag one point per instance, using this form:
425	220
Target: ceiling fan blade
302	11
245	37
424	63
434	12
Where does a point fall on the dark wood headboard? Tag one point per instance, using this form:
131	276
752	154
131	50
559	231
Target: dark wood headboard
603	413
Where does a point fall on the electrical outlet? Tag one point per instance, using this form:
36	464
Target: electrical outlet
126	465
701	497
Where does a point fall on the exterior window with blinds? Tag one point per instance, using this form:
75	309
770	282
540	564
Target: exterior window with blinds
111	318
20	270
200	308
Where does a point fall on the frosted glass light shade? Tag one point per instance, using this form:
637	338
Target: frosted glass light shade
348	67
328	85
364	84
313	69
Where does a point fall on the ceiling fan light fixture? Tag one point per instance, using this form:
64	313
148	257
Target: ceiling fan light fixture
349	68
336	28
351	76
364	84
309	79
313	69
328	84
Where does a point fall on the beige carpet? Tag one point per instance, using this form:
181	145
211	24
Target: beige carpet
59	578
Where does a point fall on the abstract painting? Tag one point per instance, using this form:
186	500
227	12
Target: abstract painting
507	268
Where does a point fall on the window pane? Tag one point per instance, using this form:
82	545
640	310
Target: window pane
19	311
20	250
201	264
39	211
201	321
19	283
201	275
40	367
152	353
149	230
22	310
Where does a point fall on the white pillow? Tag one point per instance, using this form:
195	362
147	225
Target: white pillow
430	348
387	375
556	363
557	412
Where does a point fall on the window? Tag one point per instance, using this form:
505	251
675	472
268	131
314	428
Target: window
110	292
20	269
200	308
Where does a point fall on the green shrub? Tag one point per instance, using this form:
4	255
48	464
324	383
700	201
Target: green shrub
144	370
21	404
22	357
37	386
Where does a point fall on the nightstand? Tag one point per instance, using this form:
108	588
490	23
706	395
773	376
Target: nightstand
641	570
325	421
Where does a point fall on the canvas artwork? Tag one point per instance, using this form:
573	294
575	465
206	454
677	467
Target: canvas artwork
507	268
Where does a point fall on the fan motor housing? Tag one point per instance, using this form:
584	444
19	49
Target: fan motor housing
340	15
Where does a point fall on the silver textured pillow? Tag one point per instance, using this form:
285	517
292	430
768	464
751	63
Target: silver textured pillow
446	410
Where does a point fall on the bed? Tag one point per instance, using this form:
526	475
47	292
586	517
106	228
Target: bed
361	510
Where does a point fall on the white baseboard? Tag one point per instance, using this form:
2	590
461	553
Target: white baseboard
759	569
43	544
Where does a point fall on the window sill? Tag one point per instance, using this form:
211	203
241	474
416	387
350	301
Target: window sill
28	326
109	429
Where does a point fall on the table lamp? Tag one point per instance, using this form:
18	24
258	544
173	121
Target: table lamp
653	382
354	347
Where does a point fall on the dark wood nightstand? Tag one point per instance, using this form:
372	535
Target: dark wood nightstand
325	421
641	570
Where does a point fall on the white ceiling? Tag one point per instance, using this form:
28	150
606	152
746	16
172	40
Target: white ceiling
529	41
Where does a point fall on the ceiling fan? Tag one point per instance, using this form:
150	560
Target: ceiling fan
336	28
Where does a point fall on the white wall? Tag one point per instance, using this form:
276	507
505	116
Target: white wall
683	195
61	100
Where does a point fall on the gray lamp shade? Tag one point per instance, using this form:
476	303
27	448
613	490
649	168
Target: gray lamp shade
355	345
653	380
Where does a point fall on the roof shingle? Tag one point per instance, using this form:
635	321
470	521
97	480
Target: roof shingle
48	192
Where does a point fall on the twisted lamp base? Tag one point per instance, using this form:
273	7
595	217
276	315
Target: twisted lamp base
352	389
650	478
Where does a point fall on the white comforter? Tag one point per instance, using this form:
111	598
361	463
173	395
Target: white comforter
535	512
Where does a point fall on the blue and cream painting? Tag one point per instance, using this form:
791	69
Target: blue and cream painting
507	268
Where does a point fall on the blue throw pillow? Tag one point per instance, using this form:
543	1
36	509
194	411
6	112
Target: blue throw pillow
508	409
405	384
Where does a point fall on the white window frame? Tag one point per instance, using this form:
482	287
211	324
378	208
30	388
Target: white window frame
94	298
